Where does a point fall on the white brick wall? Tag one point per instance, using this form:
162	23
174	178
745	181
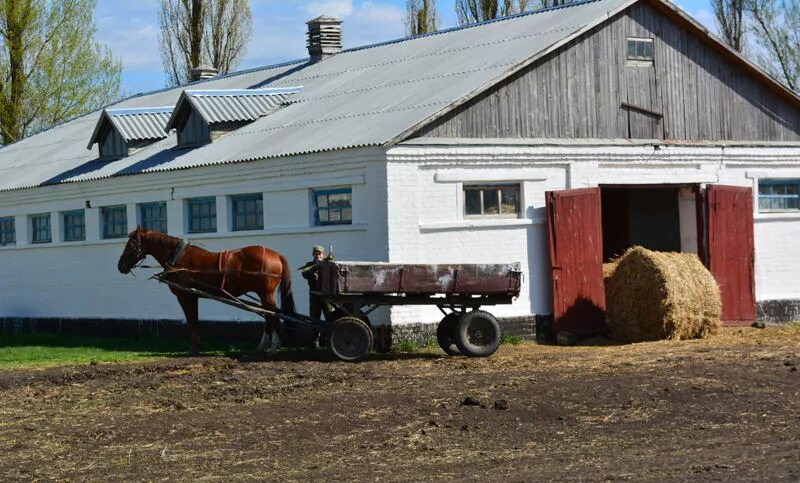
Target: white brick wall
425	205
80	279
408	207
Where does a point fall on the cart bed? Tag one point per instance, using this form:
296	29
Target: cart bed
345	278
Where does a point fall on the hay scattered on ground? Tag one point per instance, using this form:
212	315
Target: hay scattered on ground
657	295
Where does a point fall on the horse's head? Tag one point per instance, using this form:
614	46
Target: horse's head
134	251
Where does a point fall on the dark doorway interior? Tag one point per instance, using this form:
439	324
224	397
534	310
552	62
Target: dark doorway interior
645	216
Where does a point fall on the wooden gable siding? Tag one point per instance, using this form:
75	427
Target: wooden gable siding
586	90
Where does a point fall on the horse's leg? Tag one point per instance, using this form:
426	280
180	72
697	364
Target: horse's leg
265	339
270	321
189	306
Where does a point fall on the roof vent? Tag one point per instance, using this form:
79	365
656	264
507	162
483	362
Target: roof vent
324	37
203	72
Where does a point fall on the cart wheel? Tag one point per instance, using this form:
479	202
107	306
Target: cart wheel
478	334
349	339
446	334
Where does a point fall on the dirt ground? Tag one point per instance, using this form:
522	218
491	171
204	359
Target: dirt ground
722	409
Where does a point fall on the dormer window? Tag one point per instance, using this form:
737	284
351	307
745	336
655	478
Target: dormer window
121	132
200	116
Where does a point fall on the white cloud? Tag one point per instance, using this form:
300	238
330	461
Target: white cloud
373	22
333	8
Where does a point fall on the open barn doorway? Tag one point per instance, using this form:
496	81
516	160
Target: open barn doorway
588	226
661	218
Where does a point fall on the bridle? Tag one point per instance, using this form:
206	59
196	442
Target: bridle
140	254
174	257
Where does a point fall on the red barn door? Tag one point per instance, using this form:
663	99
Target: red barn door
731	250
575	233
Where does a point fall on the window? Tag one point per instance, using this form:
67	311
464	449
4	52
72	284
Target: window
778	195
333	207
74	225
202	215
40	228
640	50
248	212
153	216
499	200
115	221
7	233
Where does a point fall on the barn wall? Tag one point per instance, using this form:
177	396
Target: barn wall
584	90
80	279
426	221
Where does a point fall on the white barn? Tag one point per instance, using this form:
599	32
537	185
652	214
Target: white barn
433	149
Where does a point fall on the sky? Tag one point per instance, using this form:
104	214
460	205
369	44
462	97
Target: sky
130	29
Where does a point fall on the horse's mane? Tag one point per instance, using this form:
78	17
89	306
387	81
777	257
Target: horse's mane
162	239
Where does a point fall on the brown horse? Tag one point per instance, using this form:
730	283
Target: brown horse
253	269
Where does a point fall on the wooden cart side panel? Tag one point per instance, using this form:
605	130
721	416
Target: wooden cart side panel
383	278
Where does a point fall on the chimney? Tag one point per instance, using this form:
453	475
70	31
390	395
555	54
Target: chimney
202	72
324	37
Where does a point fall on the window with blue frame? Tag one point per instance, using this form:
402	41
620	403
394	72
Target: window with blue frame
7	231
153	216
115	221
333	207
778	195
74	225
247	211
40	228
202	215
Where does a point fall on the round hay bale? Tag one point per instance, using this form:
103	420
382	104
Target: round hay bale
657	295
608	269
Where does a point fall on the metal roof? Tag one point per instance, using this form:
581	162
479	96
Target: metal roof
230	105
368	96
134	124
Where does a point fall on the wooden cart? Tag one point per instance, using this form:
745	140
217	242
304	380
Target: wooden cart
355	289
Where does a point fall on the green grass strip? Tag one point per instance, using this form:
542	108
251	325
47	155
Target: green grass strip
46	350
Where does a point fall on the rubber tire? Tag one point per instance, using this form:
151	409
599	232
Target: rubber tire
485	332
349	339
446	334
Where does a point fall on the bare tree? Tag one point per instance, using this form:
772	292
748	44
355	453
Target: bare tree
51	68
471	11
421	17
730	18
776	24
199	32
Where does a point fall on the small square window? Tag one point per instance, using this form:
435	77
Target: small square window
115	221
778	195
153	216
640	50
495	200
202	215
248	212
333	207
7	231
74	225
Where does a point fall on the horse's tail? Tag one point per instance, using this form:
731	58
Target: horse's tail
287	299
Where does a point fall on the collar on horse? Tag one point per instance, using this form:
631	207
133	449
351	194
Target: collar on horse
177	252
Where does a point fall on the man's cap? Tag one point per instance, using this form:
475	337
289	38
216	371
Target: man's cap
318	248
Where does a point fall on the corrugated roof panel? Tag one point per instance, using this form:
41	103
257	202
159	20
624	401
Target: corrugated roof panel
221	106
361	97
140	124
